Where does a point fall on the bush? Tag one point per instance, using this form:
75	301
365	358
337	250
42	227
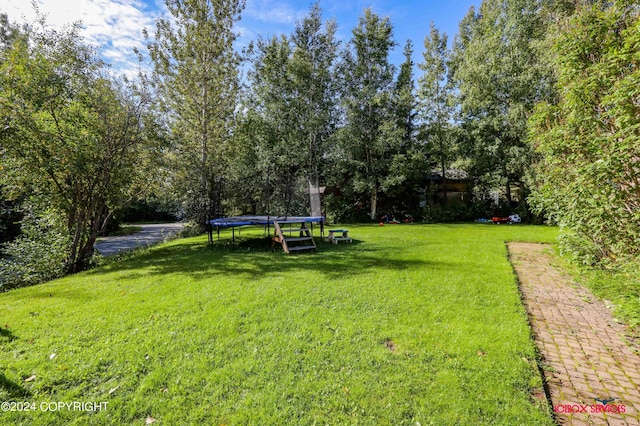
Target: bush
457	211
444	213
340	209
37	255
190	229
589	141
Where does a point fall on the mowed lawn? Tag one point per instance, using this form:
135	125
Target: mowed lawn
410	324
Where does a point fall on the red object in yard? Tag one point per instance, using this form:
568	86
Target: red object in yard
498	219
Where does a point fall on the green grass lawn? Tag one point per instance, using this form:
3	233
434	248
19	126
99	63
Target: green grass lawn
410	324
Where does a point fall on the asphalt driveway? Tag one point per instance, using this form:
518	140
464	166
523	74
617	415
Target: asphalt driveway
150	235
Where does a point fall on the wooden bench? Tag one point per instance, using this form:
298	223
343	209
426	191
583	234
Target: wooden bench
337	235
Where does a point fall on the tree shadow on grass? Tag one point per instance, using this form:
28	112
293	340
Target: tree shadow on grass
12	389
254	259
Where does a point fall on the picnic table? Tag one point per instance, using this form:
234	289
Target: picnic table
337	235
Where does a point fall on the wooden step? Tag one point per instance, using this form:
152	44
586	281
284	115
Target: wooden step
300	248
304	237
289	239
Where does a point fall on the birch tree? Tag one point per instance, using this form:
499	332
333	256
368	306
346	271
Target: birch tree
434	99
371	136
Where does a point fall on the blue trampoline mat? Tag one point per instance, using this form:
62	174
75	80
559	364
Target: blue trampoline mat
233	221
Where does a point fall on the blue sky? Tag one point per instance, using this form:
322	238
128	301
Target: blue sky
115	25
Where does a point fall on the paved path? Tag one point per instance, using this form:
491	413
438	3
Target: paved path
582	347
150	234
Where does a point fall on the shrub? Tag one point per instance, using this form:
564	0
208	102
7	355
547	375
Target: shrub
589	141
37	255
190	229
443	213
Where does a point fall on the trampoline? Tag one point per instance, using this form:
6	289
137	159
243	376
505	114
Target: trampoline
267	221
234	221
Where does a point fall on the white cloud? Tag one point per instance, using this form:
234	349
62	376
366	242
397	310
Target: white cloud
115	26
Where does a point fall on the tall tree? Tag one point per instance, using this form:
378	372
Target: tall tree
589	138
75	140
270	125
499	77
293	108
197	72
371	136
434	97
404	97
312	67
410	160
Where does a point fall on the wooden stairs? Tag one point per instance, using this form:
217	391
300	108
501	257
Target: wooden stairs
286	236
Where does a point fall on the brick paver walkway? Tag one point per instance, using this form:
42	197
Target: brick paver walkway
583	351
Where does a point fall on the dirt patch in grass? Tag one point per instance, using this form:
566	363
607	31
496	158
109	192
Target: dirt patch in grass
388	343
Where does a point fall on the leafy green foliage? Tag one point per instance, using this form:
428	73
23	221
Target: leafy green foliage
273	160
370	141
434	99
290	117
590	139
149	210
312	64
10	217
74	139
410	160
39	254
499	75
404	98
